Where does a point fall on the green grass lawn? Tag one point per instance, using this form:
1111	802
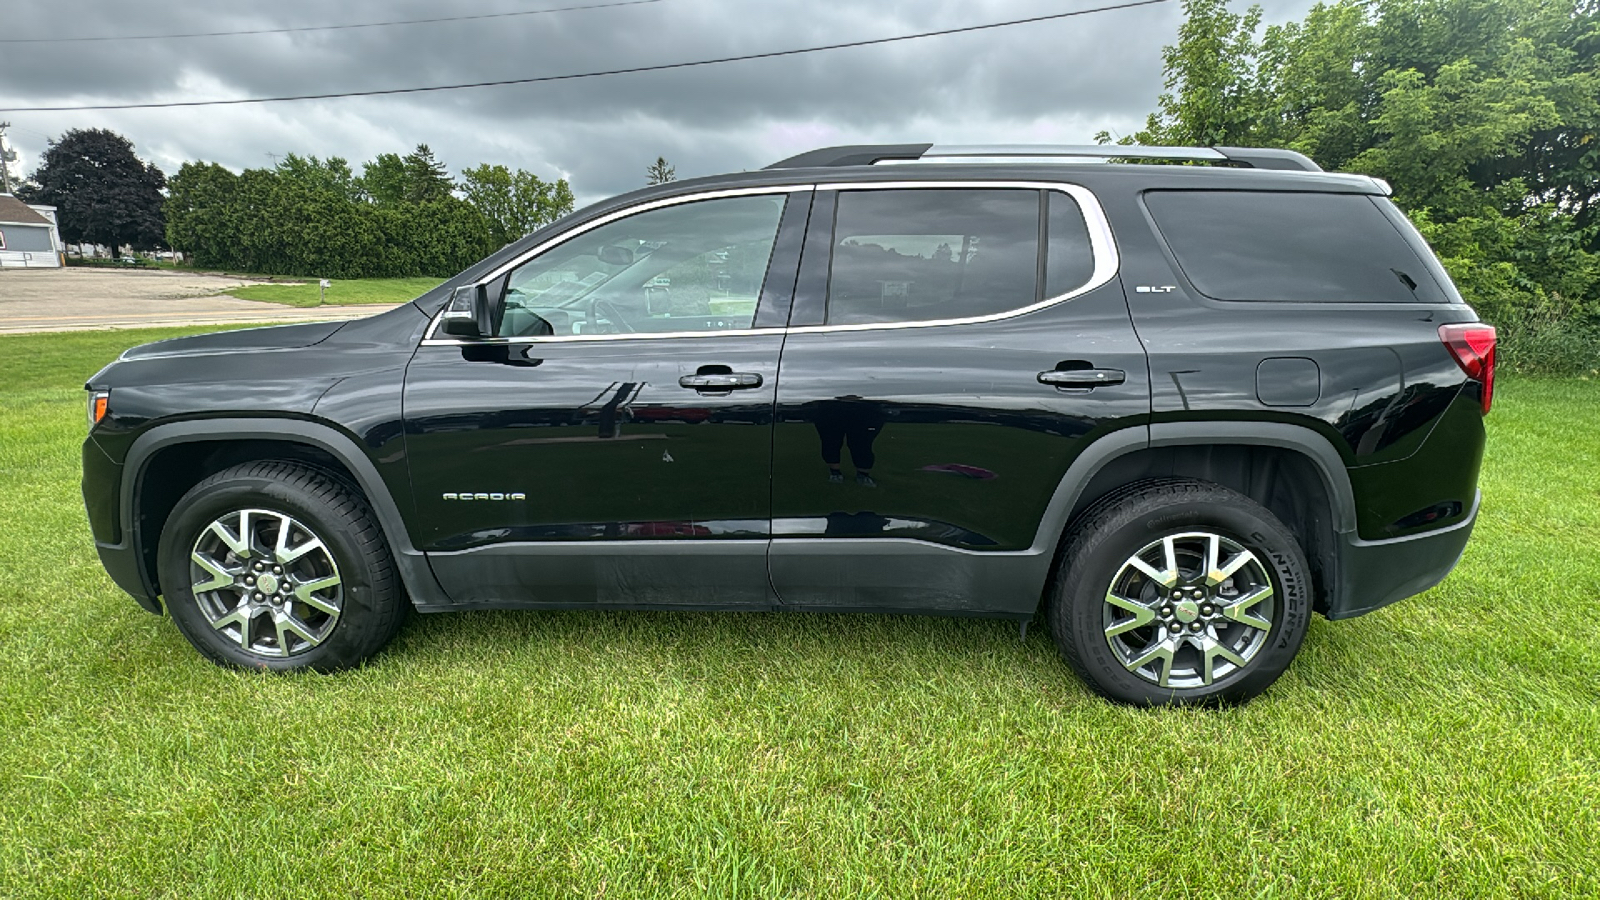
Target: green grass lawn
347	292
1448	746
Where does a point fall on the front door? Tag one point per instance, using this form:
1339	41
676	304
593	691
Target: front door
613	444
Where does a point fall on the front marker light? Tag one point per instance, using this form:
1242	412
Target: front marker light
98	402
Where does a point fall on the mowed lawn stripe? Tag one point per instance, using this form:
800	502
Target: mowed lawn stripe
340	292
1446	746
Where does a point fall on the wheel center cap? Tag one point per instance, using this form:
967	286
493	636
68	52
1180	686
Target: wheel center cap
1186	611
268	584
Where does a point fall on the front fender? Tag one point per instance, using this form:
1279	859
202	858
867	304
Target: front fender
414	571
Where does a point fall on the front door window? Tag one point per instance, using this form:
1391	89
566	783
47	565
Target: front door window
692	267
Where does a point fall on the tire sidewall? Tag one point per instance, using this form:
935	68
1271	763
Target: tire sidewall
1101	554
209	502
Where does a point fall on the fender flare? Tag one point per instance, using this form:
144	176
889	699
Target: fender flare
1297	438
415	573
1311	444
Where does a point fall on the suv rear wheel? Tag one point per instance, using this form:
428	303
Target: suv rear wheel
1180	592
279	566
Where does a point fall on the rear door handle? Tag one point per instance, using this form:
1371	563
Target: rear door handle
721	381
1082	378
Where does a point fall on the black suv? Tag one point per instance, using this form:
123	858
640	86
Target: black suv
1182	406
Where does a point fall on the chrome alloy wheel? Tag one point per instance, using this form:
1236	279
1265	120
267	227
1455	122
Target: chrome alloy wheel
266	582
1189	609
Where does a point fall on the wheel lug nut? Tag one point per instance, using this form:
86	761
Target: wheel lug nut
1176	628
1196	627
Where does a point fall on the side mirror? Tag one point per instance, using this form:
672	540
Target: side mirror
469	313
613	255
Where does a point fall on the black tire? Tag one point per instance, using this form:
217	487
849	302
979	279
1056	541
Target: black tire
368	603
1097	559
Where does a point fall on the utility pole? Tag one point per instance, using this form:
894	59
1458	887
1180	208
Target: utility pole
6	156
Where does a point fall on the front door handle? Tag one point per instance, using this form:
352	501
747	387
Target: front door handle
721	381
1087	379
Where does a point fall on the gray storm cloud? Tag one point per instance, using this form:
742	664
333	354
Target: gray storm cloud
1058	81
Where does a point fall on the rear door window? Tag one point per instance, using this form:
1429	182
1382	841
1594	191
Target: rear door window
933	253
1293	247
1070	255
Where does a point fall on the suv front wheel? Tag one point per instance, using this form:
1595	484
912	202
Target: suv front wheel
274	565
1180	592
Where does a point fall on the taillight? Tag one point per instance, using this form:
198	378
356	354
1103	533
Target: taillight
1472	345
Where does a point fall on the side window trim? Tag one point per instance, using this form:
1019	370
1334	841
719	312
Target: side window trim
1102	242
1107	260
1042	263
778	287
811	289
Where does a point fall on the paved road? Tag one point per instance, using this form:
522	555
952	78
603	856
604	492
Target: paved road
78	299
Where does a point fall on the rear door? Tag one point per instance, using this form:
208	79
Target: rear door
952	349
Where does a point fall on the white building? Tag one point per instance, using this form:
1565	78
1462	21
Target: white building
28	235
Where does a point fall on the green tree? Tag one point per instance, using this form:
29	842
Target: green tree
202	214
439	237
383	180
104	194
1213	93
310	173
1483	114
660	172
426	177
313	218
515	203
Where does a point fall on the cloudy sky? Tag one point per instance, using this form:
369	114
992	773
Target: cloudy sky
1050	82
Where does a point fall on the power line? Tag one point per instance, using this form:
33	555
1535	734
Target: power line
209	34
580	75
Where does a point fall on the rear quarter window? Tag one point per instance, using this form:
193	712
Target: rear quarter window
1296	247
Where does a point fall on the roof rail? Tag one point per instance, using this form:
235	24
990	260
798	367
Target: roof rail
852	155
868	154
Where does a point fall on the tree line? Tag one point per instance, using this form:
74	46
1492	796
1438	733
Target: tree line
401	216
